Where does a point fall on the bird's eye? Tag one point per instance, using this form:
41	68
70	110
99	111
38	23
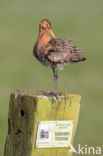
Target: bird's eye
47	25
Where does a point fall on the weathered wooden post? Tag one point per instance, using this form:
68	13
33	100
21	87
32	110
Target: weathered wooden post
26	110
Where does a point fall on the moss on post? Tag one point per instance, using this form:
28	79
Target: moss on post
26	110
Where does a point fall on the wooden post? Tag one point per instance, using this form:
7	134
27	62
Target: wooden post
26	110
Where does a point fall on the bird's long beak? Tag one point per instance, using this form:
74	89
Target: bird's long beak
51	33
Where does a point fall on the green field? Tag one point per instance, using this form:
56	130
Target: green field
81	21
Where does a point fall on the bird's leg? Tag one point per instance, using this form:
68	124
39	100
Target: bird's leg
55	80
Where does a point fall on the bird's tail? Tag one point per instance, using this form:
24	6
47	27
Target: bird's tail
77	55
79	59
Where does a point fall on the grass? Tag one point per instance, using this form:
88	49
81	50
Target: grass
81	21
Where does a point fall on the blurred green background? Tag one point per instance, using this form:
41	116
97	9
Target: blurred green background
81	21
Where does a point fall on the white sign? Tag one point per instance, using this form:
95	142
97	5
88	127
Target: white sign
53	134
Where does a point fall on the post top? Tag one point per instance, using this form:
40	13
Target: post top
44	95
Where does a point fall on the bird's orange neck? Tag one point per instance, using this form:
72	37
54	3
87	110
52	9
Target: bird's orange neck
43	39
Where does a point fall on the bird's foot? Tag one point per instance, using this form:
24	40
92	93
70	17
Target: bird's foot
52	94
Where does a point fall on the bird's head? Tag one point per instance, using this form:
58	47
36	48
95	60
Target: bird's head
45	26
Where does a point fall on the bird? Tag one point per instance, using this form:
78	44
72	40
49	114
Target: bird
54	52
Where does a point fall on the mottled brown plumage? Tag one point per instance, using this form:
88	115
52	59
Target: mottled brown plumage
53	52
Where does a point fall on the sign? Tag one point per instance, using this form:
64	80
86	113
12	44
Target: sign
52	134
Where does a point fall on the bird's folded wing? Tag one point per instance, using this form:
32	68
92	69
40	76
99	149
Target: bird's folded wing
61	57
62	51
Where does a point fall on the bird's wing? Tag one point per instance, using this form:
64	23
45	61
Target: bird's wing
62	51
